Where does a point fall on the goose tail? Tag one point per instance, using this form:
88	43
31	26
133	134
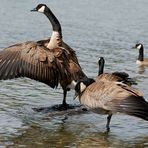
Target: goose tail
130	81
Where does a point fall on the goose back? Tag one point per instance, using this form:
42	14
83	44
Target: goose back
142	63
107	95
115	76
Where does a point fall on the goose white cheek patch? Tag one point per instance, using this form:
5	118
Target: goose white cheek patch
139	47
42	9
82	87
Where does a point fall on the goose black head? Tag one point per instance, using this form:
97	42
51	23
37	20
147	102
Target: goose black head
40	8
101	61
139	46
82	85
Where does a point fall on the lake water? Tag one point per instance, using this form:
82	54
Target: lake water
107	28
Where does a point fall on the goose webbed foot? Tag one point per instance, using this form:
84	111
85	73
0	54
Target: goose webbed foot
64	106
84	109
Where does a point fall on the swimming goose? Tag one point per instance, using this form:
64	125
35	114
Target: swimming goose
51	64
141	61
110	97
115	76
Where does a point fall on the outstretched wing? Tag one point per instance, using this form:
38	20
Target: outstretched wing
34	61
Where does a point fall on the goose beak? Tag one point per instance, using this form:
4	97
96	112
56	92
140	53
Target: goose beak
76	96
33	10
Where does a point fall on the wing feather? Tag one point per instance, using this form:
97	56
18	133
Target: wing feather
105	94
34	61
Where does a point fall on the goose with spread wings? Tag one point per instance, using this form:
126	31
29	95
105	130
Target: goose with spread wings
49	61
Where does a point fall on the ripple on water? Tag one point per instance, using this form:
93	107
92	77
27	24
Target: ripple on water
93	29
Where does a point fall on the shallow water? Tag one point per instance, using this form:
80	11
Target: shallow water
106	28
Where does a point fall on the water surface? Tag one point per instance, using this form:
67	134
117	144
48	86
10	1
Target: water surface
95	28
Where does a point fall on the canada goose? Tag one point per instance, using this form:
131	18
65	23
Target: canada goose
115	76
56	41
56	37
141	61
52	64
110	97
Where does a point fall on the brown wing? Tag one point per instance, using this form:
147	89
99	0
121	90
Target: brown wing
34	61
109	97
122	75
74	66
103	94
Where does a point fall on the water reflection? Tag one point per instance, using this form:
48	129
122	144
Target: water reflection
100	28
74	136
141	69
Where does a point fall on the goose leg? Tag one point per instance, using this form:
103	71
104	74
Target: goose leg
64	98
108	122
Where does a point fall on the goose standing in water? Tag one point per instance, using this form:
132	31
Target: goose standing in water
114	77
52	64
141	61
110	97
55	42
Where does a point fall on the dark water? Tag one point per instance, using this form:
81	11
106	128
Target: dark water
95	28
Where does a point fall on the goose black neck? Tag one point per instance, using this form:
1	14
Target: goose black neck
101	68
141	54
54	21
